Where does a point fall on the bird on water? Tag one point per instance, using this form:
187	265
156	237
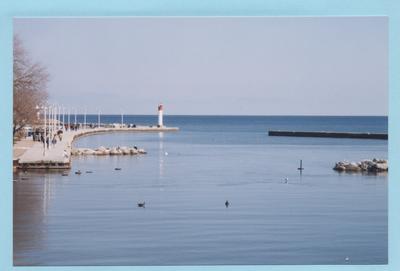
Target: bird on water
226	204
141	204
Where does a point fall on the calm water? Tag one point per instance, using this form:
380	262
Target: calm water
319	217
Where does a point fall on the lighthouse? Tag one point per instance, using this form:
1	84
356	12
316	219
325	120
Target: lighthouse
160	115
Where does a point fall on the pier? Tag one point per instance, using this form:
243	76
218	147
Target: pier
380	136
59	155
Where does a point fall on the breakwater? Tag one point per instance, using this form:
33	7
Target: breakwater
381	136
371	166
101	151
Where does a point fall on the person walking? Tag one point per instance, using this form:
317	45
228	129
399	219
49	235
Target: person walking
54	141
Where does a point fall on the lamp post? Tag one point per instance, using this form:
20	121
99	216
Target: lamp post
44	108
56	114
63	118
59	118
98	120
53	122
49	117
84	120
45	131
69	120
54	119
75	117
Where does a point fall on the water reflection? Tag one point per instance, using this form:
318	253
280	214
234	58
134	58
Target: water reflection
48	194
32	200
161	154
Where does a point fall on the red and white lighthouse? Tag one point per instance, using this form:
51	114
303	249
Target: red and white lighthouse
160	115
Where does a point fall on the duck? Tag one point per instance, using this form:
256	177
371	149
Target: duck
226	204
64	174
118	168
141	204
79	172
89	171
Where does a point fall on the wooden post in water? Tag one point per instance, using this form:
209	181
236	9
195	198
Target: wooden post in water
301	166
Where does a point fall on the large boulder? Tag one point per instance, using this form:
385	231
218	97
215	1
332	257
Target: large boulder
133	151
125	150
88	152
115	151
382	166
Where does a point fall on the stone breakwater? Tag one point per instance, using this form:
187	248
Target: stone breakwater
108	151
372	166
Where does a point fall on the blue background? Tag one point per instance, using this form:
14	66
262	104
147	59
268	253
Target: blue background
10	9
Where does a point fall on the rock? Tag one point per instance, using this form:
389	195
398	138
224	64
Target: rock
125	150
88	152
375	165
115	151
107	151
353	167
379	167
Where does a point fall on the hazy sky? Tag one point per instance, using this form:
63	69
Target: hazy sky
221	66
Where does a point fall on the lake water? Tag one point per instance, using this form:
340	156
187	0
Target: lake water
318	217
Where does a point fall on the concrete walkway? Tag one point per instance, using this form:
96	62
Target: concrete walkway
59	156
21	146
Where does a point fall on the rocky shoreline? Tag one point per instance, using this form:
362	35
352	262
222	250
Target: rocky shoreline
108	151
371	166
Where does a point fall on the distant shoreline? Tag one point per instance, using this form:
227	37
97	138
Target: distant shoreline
211	115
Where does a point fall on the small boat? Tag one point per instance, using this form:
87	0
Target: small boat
64	174
118	168
89	171
78	172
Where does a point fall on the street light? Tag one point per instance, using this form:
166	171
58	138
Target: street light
50	126
69	120
63	118
98	120
45	128
84	120
75	117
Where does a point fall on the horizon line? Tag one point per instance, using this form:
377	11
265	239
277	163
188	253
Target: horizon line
233	115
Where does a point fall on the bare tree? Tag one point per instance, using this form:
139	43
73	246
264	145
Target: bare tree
29	84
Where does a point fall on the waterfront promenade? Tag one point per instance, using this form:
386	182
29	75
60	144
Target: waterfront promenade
59	155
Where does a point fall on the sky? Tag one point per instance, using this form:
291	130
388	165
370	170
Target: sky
213	65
